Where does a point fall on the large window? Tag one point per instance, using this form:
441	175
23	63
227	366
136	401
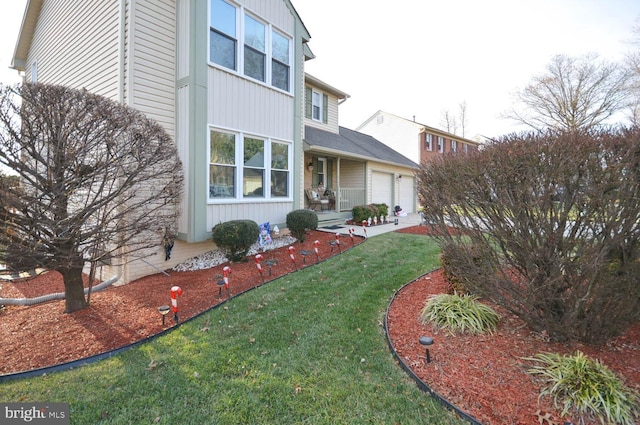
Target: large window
266	52
280	62
254	48
264	173
222	160
222	34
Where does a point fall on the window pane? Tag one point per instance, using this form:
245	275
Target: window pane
279	187
317	106
254	64
254	34
253	182
221	181
280	48
253	152
279	156
279	75
223	148
223	17
223	50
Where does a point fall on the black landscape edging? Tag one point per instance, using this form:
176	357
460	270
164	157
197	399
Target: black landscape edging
421	384
61	367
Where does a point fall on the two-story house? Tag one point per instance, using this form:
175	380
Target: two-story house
356	167
226	80
416	141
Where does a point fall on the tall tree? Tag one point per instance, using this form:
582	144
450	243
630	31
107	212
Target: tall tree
96	179
574	93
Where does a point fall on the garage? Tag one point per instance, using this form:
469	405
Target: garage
407	193
382	189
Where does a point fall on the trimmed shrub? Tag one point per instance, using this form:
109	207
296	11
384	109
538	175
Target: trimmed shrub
459	314
361	213
550	225
235	237
300	221
587	388
383	209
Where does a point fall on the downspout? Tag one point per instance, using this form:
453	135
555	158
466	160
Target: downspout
55	296
121	52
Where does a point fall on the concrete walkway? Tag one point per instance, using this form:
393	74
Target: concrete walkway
408	221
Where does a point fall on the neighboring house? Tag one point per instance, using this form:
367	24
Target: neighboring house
224	78
416	141
357	167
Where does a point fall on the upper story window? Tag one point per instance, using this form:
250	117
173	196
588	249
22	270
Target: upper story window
317	105
266	52
254	49
280	63
465	148
454	146
264	172
223	35
440	144
428	142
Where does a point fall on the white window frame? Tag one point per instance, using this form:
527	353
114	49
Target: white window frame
316	95
440	144
239	166
241	14
454	145
428	140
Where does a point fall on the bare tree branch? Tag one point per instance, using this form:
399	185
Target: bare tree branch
93	174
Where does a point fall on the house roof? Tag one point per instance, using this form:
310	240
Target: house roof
27	28
316	82
420	127
354	144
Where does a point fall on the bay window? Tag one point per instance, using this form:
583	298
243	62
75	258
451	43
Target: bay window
265	171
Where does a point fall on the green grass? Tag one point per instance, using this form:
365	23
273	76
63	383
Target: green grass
307	348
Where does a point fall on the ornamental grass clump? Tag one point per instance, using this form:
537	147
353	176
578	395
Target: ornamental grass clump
459	314
586	388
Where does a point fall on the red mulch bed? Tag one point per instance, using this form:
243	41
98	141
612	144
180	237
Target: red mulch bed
482	375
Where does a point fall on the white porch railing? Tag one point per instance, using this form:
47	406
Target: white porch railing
349	198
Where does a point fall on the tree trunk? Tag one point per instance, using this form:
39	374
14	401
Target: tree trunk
73	289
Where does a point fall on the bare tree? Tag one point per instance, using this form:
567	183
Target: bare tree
633	67
551	225
574	93
463	117
448	121
97	179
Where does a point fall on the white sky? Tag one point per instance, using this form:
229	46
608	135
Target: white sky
420	57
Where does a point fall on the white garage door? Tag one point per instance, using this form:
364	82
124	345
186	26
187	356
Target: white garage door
382	189
407	194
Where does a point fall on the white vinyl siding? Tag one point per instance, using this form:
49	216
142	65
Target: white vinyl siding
154	61
77	43
245	106
237	103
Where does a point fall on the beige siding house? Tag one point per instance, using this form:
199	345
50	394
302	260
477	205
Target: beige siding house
224	78
355	168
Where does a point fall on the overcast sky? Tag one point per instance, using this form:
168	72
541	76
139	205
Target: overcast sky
421	57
